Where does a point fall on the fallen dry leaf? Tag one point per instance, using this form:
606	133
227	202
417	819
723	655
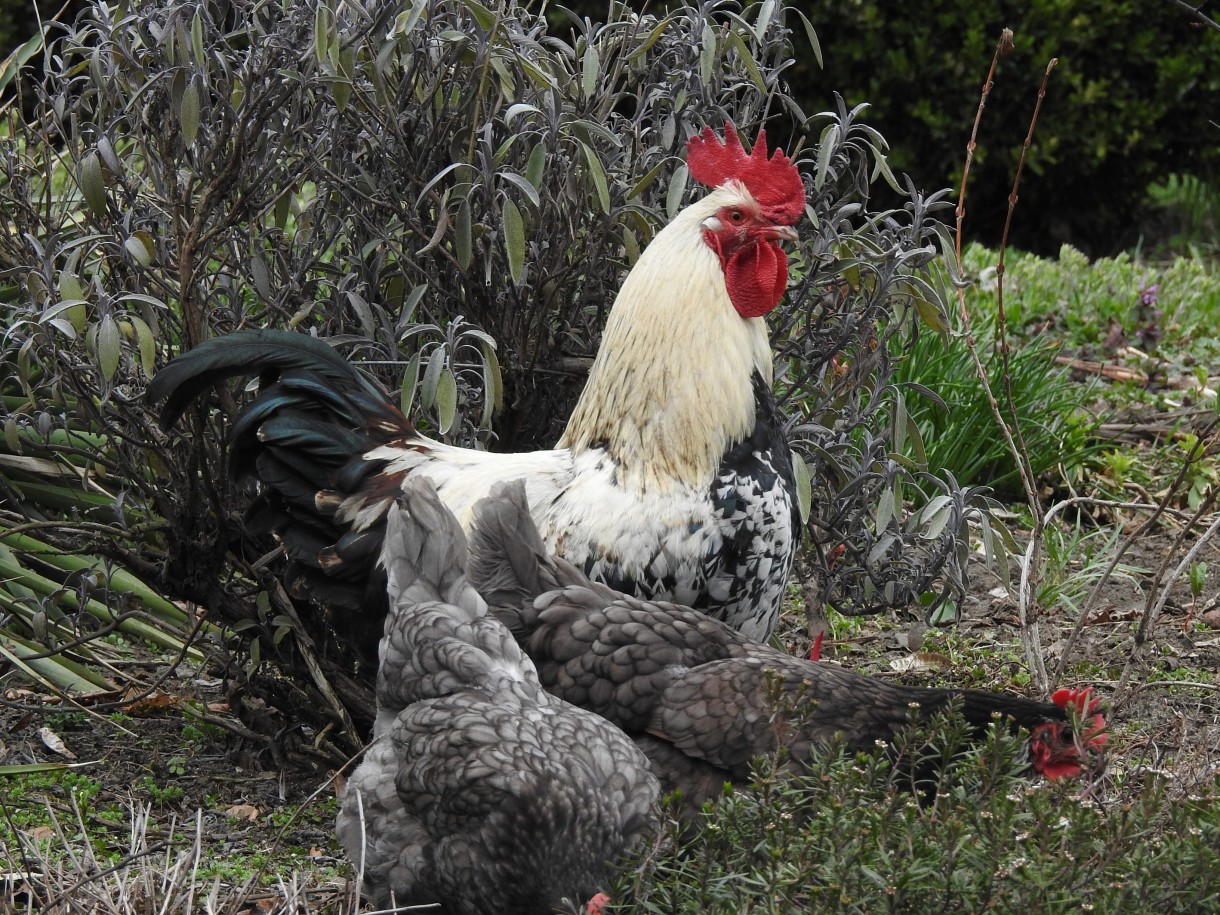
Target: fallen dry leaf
55	743
41	833
921	660
243	812
155	703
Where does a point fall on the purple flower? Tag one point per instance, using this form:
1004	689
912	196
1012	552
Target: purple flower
1148	294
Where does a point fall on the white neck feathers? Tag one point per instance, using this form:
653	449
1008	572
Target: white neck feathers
671	387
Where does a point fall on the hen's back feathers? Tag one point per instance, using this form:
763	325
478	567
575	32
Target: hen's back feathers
481	791
677	680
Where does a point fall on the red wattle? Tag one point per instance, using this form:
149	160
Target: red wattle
756	277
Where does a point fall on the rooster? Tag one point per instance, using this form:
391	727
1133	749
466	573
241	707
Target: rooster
697	696
672	480
480	790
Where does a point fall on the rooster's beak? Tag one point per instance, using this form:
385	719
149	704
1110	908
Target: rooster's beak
782	233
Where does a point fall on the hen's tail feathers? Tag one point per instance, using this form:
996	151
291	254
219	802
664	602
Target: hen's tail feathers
303	437
509	564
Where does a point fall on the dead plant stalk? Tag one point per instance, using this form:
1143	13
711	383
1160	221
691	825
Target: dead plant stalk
1031	639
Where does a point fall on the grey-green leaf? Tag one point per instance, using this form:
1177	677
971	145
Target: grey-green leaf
197	38
514	240
589	69
108	347
677	190
535	168
432	377
147	343
885	509
189	113
410	381
92	184
707	53
139	246
493	384
599	177
446	400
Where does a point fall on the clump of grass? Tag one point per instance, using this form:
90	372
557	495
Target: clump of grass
956	422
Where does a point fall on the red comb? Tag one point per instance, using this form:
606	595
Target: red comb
815	653
775	183
1082	699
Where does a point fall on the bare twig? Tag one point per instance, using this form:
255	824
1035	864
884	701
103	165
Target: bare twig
1162	506
1158	594
1003	47
306	647
1030	637
1197	13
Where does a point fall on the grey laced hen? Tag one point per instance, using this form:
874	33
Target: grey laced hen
698	697
481	791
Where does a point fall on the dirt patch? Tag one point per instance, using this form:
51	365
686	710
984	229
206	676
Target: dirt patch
261	820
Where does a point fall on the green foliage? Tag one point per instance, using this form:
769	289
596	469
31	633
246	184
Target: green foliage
945	397
1185	216
1081	303
1076	559
849	836
1137	87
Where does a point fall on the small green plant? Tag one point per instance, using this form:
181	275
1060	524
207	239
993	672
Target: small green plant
1198	579
1076	557
848	837
958	427
161	795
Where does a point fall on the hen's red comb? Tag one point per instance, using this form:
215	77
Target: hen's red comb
775	183
1081	699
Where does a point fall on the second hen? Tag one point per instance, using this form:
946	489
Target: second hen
481	791
694	694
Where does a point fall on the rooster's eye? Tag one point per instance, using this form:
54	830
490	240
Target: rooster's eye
736	216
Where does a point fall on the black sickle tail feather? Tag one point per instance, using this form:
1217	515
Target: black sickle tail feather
247	352
978	709
304	433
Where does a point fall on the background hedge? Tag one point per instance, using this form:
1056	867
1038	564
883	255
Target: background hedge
1134	98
